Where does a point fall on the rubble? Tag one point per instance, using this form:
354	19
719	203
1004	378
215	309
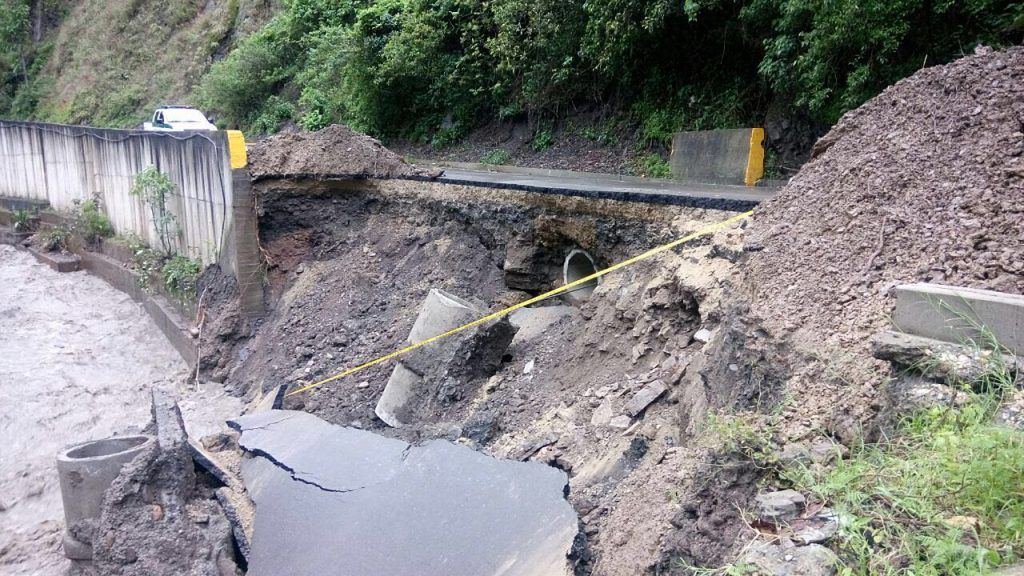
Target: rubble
768	560
779	507
157	517
645	397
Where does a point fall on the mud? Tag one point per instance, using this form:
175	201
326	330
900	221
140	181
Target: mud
78	360
336	151
924	183
350	263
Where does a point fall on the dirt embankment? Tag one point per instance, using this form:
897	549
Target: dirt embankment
351	262
924	183
337	151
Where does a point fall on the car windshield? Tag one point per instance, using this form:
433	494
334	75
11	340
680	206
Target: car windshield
183	115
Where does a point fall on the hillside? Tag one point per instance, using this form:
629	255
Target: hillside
613	79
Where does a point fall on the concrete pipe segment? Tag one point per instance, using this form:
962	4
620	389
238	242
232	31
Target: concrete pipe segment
440	313
579	264
86	471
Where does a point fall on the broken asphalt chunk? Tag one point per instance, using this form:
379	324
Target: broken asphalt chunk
340	501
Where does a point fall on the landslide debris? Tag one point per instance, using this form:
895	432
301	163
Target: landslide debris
924	183
336	151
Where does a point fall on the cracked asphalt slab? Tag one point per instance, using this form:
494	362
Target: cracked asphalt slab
323	492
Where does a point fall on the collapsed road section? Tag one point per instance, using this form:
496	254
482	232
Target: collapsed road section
444	509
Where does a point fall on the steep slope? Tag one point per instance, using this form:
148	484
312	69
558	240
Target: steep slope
109	63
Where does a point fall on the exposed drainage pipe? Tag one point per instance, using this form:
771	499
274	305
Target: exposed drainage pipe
440	313
86	471
579	264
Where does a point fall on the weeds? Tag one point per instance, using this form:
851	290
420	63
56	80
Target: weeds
652	166
153	186
57	239
180	274
146	261
942	497
542	140
90	221
24	221
738	434
496	157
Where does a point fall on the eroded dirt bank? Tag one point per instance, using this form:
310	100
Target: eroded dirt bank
762	326
77	362
350	263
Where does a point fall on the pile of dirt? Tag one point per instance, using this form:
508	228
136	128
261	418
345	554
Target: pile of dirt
924	183
336	151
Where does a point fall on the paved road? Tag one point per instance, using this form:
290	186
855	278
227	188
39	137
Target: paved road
615	187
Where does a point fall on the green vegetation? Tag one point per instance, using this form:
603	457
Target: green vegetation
57	239
941	498
652	166
496	157
91	223
542	140
146	261
153	186
180	274
433	70
24	221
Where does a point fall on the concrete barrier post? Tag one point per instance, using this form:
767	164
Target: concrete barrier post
248	262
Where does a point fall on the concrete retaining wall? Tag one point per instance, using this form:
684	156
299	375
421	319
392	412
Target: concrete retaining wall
961	315
61	164
720	156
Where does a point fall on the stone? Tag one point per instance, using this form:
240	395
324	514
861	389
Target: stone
528	368
794	454
1015	570
435	509
1011	413
943	362
816	530
810	560
620	422
779	507
645	397
604	413
703	335
908	394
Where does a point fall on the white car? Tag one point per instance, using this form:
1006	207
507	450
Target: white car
178	119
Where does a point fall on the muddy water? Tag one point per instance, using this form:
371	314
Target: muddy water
77	361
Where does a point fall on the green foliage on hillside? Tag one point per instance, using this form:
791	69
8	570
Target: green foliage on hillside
436	68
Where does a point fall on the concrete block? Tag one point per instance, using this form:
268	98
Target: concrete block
719	156
961	315
645	397
58	261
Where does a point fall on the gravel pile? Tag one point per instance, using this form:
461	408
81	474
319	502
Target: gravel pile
336	151
924	183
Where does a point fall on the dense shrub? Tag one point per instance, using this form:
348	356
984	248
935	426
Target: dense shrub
433	69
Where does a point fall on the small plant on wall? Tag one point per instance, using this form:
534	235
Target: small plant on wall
24	221
180	274
91	222
153	187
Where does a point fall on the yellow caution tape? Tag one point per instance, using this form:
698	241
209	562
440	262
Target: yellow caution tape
652	252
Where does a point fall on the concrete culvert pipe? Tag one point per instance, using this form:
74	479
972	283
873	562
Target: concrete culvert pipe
86	471
579	264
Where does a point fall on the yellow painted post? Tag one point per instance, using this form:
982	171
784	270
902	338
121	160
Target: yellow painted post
236	148
755	157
